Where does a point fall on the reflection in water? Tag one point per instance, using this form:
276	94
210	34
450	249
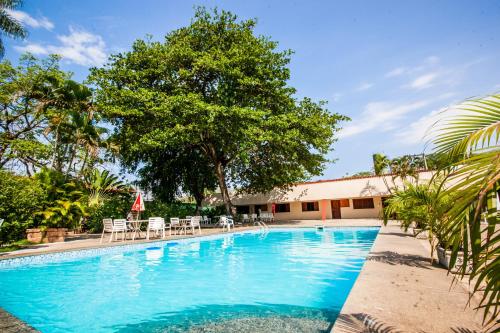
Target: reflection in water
154	255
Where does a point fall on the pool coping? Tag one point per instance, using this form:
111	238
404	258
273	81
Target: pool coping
398	290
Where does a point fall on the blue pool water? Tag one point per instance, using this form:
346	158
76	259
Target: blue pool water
297	279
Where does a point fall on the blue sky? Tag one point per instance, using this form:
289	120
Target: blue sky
389	65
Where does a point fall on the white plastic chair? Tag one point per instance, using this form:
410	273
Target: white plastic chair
174	224
253	217
114	227
245	218
205	220
156	224
226	223
194	223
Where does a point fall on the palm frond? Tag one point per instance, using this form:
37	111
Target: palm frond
470	141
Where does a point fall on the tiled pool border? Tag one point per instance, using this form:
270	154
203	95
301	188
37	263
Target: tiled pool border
68	255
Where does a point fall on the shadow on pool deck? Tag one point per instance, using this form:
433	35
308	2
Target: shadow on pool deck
362	322
394	258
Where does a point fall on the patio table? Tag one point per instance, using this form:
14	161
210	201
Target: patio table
135	226
184	223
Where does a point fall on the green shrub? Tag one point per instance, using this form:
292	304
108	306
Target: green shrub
64	204
116	206
20	198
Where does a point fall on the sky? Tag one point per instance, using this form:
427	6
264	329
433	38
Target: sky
391	66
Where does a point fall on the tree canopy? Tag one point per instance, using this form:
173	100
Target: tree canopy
216	87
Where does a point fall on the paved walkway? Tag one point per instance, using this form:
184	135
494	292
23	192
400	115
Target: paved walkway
399	291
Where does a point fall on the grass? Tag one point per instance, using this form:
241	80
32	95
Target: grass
16	246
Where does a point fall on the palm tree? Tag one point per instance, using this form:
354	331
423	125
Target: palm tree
422	205
100	185
8	25
403	168
471	143
381	165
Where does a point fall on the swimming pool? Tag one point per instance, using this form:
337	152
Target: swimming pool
284	279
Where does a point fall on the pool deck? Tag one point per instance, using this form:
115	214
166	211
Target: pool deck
397	290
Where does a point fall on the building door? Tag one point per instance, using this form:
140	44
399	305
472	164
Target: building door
336	209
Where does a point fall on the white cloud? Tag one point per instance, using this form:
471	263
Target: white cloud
419	131
79	47
423	81
422	129
432	60
364	86
396	72
29	20
336	97
382	116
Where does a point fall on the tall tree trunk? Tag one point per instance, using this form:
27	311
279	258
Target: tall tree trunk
221	178
84	163
198	204
56	147
73	154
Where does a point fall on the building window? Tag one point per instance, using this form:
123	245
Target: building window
363	203
344	203
310	206
262	208
242	209
283	208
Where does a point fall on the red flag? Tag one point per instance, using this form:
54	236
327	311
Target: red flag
138	205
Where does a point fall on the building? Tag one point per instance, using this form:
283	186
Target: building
346	198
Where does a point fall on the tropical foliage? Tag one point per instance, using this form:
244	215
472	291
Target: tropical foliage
101	185
8	25
422	206
470	142
20	198
216	88
63	205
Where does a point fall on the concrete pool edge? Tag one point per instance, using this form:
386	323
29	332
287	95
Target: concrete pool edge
399	290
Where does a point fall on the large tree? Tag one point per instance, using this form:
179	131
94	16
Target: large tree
217	87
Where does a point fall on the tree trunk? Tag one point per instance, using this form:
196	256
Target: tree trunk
73	153
198	205
219	170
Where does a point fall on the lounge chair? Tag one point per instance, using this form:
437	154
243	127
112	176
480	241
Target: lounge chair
114	227
157	225
193	224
